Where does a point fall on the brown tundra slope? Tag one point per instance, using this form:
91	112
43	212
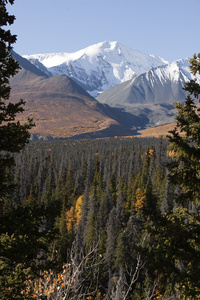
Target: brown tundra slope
62	109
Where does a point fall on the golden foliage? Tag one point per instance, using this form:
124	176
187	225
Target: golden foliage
78	208
171	153
150	152
159	295
74	214
140	199
157	130
49	285
70	220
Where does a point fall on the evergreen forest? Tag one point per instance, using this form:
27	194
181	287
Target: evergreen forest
89	220
84	208
114	218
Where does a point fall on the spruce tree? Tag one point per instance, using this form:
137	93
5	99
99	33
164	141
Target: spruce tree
14	246
185	141
13	135
174	234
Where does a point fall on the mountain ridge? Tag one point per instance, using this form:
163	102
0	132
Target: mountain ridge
99	66
163	84
153	93
60	108
142	101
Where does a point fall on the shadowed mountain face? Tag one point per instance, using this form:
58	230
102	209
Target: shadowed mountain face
97	67
160	85
152	93
61	108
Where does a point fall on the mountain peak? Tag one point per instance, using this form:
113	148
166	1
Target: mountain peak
99	66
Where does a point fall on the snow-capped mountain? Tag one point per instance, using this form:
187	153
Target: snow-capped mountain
152	93
97	67
163	84
61	108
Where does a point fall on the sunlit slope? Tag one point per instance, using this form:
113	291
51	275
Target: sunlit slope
61	108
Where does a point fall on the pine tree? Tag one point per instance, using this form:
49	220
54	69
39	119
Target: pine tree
185	169
174	234
13	135
13	138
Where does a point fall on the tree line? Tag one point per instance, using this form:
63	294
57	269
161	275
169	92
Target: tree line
98	219
96	194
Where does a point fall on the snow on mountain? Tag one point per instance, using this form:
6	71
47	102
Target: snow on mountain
176	73
178	70
152	93
98	67
162	84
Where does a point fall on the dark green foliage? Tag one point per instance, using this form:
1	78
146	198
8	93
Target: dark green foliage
108	206
15	261
175	252
185	169
174	249
63	236
24	247
108	183
13	135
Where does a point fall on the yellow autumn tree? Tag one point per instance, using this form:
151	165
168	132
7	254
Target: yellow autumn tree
74	214
140	199
65	284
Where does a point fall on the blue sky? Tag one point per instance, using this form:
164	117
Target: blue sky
167	28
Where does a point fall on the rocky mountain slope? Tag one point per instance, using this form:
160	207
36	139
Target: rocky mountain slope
152	93
163	84
61	108
140	89
97	67
132	82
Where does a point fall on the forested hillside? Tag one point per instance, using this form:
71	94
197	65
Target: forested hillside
99	219
115	218
96	197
